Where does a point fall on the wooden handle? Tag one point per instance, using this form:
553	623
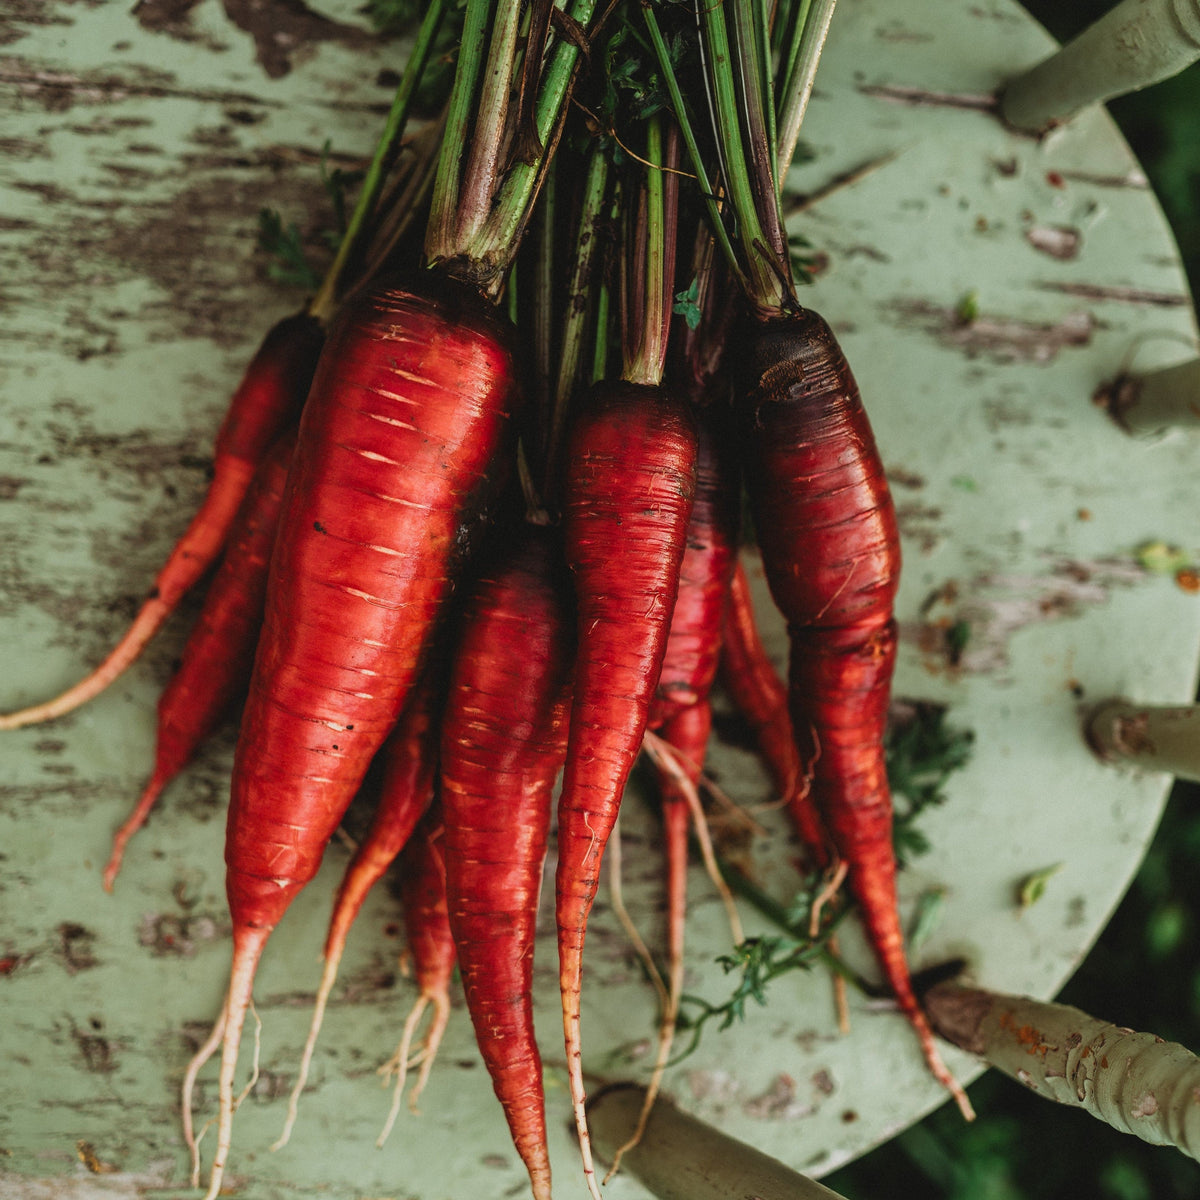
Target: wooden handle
1160	737
681	1158
1137	43
1135	1082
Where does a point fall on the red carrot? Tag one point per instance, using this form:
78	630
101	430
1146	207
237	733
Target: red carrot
710	553
628	496
503	741
409	760
827	529
214	668
401	441
431	948
762	699
680	709
266	402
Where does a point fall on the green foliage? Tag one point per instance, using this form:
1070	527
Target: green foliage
288	264
687	304
337	182
923	751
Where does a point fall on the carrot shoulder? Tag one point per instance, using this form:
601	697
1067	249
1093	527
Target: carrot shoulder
628	497
827	529
266	402
408	418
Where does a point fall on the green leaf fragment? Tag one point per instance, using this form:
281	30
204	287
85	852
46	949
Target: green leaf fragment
931	904
687	304
1031	889
1160	558
282	243
967	309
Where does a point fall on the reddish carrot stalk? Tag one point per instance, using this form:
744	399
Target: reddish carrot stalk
214	669
431	948
403	433
266	402
762	699
409	765
629	488
827	529
503	742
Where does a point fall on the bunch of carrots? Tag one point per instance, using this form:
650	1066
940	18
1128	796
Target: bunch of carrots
476	509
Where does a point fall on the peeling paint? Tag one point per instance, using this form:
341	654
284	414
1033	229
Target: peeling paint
1003	339
1058	241
995	606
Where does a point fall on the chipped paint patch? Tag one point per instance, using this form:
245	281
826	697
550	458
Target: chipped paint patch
993	607
1058	241
1003	339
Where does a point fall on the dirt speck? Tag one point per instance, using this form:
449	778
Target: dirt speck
77	946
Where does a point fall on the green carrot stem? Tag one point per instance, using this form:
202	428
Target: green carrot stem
480	175
498	239
689	140
798	82
752	191
579	290
440	240
324	301
649	270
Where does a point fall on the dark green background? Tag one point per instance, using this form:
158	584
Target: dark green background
1145	971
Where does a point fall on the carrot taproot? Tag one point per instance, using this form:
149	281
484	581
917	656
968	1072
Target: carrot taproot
680	709
214	667
432	952
693	646
627	499
762	699
266	402
409	764
827	529
402	440
504	738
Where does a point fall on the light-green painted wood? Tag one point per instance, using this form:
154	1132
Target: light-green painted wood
135	155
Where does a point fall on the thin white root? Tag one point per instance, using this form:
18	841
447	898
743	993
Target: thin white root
841	1002
669	999
626	921
328	978
834	880
237	1003
194	1067
433	1040
400	1063
666	756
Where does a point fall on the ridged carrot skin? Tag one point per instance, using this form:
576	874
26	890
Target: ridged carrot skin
504	738
630	483
762	699
409	765
430	941
266	402
402	439
831	549
214	668
681	710
687	731
693	648
426	913
409	759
